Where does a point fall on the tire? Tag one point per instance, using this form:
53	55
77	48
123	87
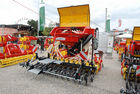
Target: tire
91	78
86	79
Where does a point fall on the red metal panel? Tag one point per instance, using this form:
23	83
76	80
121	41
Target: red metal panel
69	35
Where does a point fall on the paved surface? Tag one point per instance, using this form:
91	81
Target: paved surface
16	80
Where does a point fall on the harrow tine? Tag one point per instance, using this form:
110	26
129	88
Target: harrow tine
77	73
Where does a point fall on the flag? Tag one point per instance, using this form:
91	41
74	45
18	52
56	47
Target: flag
119	23
108	23
125	30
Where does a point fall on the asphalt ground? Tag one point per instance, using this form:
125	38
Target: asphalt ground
16	80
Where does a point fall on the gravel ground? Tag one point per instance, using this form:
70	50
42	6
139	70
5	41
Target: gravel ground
16	80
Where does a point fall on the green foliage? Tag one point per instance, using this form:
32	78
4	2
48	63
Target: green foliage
34	25
47	31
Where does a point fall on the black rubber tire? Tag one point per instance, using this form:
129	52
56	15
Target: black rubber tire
86	79
91	78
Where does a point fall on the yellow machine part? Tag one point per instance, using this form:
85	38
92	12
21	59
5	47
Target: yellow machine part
24	38
63	53
22	45
0	39
116	48
124	72
121	50
66	60
97	66
75	61
15	60
128	41
136	33
74	16
4	39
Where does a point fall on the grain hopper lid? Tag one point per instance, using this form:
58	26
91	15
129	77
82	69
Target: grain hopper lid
74	16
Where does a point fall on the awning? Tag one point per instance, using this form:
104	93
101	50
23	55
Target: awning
124	36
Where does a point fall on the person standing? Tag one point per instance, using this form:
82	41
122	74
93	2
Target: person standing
42	44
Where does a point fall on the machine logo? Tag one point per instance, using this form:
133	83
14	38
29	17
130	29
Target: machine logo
60	38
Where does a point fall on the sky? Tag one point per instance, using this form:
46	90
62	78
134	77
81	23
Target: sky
126	10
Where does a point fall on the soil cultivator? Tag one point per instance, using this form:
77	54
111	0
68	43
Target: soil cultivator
11	53
130	67
26	43
70	51
121	43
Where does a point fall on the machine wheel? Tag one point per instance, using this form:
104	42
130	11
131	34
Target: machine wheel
130	86
82	79
86	78
91	78
127	79
122	57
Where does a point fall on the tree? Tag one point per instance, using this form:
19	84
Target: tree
48	29
34	25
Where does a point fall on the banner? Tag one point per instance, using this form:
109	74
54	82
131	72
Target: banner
110	44
108	23
42	16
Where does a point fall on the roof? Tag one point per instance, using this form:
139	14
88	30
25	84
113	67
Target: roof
16	26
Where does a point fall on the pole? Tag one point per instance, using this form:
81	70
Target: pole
92	49
3	28
38	28
105	18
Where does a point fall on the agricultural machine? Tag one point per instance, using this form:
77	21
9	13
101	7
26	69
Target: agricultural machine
130	66
11	53
116	45
27	43
70	51
121	43
121	48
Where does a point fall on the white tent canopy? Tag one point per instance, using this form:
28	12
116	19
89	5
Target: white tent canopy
124	36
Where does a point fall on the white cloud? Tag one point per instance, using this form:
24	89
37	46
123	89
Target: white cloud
11	12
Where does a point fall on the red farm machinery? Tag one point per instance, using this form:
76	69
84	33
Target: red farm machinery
70	50
11	53
130	67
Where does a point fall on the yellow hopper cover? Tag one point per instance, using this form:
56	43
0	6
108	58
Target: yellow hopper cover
136	33
74	16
